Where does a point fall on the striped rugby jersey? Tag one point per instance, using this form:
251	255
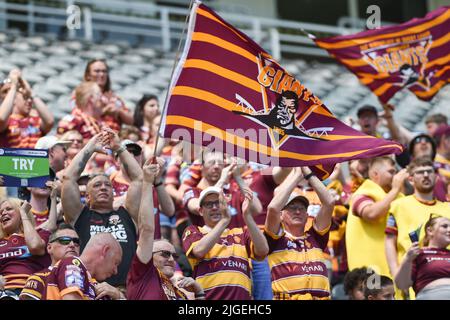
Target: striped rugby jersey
35	287
22	132
298	265
224	272
16	261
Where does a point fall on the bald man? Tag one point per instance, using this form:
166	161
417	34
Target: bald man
75	278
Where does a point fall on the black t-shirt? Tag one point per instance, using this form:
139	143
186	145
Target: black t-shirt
120	225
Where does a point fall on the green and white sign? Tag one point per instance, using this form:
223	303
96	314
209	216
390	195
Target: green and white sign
24	167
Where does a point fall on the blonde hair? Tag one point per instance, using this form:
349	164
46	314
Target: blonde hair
83	92
16	204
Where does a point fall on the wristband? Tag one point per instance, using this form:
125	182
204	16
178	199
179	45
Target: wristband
309	175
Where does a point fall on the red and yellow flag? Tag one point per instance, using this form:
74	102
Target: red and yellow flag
413	55
228	94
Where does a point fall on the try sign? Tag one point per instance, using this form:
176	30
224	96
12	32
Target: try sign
24	167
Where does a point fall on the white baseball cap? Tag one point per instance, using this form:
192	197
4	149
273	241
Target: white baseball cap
48	142
207	191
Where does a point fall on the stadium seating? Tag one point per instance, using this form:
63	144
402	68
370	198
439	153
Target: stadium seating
55	67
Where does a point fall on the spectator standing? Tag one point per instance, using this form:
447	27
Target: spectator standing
366	221
153	264
296	256
218	254
114	113
21	125
98	215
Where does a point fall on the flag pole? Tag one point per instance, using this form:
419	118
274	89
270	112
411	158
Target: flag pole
177	56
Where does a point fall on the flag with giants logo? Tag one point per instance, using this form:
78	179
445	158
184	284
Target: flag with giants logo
228	94
413	55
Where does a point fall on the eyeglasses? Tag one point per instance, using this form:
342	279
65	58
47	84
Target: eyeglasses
211	204
67	240
422	172
166	254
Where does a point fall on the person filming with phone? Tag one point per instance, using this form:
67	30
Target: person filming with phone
427	269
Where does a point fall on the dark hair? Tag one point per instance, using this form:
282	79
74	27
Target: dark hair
419	162
405	67
87	71
288	95
413	143
353	278
384	282
138	117
61	226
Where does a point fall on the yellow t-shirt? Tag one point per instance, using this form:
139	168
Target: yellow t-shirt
408	214
365	240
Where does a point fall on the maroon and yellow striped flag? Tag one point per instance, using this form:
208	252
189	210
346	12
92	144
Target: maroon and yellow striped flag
413	55
228	94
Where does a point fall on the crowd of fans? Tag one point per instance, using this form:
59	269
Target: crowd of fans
117	222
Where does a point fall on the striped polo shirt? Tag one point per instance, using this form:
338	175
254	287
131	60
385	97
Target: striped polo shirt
298	265
224	272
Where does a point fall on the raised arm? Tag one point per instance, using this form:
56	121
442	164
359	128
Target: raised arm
7	106
70	193
146	219
261	247
33	240
273	219
403	277
279	174
44	112
323	218
397	131
373	212
209	240
255	206
165	201
50	224
132	169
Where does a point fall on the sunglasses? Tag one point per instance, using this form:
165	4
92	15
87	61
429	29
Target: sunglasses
67	240
421	139
166	254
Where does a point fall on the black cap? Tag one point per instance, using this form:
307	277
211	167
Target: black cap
416	139
367	108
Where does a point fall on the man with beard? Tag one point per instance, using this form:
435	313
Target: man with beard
409	213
